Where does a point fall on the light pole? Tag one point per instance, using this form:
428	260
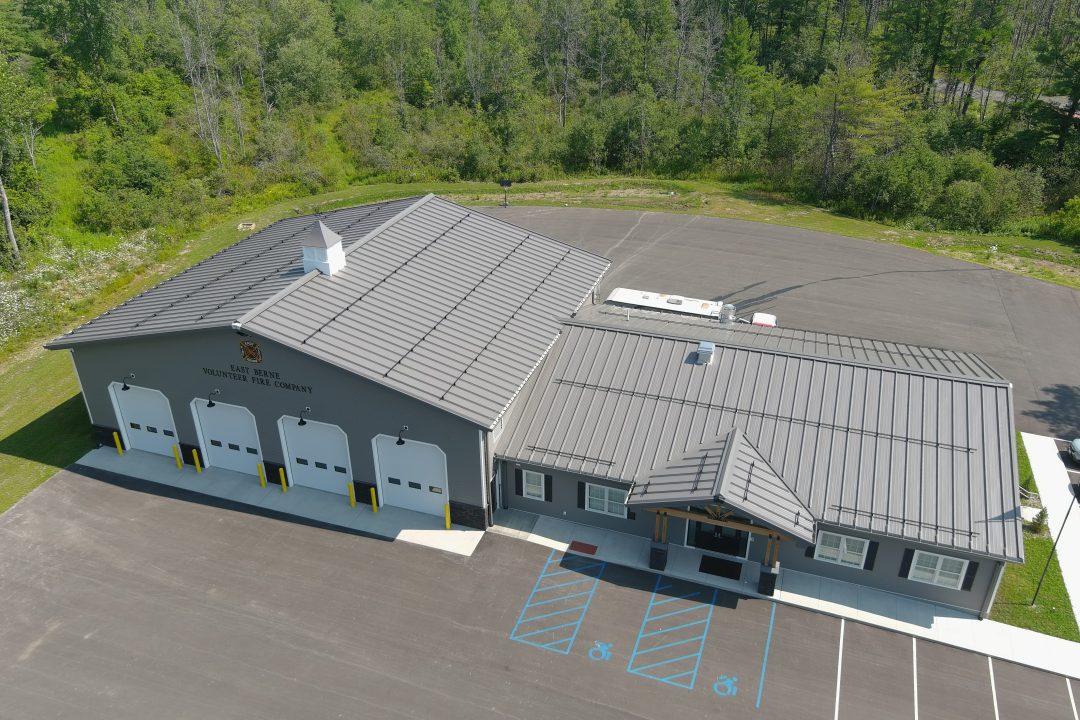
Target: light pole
1076	497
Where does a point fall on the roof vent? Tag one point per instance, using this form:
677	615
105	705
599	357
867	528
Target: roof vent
322	250
705	350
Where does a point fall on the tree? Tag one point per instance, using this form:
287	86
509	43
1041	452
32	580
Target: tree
1059	51
11	88
737	75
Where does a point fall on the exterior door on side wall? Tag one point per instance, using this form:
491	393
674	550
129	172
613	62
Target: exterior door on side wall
146	417
316	455
412	475
228	435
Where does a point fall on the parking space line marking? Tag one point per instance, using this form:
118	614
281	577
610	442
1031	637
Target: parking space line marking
677	627
581	599
993	686
673	612
839	667
681	676
765	656
1072	700
915	677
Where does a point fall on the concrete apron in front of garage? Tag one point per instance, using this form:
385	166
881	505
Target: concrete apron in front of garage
302	502
842	599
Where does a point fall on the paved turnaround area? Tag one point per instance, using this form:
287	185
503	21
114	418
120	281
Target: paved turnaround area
131	600
1027	329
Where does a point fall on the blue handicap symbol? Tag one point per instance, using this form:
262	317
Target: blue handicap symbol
725	686
600	651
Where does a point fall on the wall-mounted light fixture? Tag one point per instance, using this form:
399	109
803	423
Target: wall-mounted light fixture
400	434
302	420
210	398
129	376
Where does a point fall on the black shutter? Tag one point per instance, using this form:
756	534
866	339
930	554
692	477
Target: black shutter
631	515
810	549
969	576
518	482
547	488
581	495
905	564
871	556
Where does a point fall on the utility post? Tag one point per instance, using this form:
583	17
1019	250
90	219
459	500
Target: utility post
1075	490
506	188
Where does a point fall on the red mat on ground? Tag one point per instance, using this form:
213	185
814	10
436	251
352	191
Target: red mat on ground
580	547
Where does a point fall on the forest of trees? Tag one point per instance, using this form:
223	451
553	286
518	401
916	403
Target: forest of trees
954	114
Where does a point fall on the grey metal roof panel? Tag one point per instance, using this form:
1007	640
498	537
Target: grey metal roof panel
952	363
233	281
898	452
444	303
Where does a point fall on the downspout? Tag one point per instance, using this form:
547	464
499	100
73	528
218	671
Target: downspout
989	603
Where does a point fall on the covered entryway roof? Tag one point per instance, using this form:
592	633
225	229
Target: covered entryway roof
729	469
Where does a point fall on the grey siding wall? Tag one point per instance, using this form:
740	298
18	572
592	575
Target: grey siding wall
174	364
885	574
564	504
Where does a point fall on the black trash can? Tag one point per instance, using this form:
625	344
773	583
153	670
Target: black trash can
658	557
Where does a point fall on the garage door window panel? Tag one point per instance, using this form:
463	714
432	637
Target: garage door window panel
605	500
841	549
533	484
935	569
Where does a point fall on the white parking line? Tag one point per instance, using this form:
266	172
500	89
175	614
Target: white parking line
1072	700
915	677
993	686
839	666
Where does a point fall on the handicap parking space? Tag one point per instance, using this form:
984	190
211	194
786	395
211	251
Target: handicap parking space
953	684
877	676
1027	694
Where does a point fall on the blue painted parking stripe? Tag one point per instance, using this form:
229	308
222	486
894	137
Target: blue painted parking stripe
765	656
548	630
674	670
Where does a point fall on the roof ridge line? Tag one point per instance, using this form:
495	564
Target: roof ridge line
731	438
994	382
475	208
308	276
779	476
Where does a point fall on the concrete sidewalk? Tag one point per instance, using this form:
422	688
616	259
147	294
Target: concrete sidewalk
322	507
908	615
1052	479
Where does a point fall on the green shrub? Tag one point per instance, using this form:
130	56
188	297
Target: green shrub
1064	225
964	205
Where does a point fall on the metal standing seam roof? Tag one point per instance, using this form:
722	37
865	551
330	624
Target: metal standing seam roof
889	451
224	286
730	469
885	353
442	303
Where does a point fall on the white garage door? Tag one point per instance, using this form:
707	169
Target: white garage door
145	418
228	436
317	455
412	475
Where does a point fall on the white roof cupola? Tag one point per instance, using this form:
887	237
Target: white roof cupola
322	250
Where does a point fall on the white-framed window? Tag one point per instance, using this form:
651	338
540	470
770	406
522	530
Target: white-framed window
606	500
532	484
841	549
937	569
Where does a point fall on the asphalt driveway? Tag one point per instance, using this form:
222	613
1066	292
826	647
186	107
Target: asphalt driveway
1027	329
126	600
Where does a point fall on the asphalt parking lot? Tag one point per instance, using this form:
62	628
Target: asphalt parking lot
120	602
1027	329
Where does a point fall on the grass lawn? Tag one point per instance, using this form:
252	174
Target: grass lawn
1053	613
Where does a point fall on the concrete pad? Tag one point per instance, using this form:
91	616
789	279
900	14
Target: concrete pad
953	684
1026	694
878	676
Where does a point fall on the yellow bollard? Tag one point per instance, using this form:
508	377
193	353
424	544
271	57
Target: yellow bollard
352	495
447	516
262	475
281	474
374	501
176	454
116	439
195	454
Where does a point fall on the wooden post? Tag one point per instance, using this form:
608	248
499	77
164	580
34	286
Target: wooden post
116	439
663	537
656	529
